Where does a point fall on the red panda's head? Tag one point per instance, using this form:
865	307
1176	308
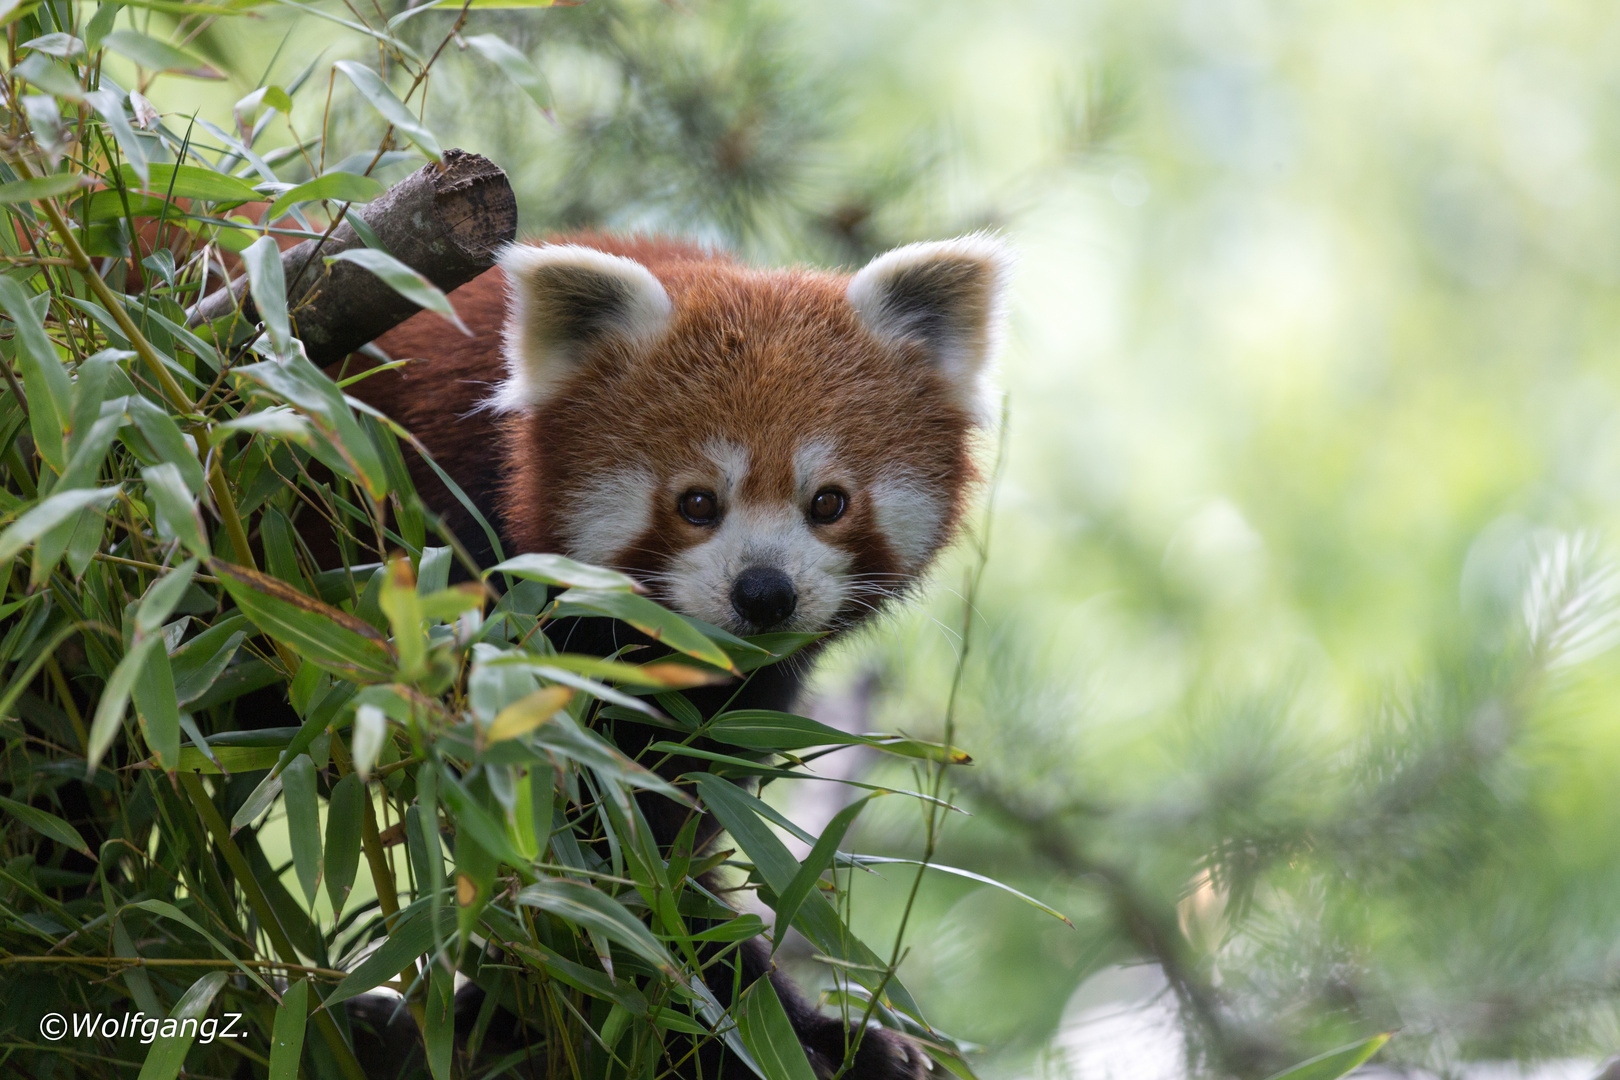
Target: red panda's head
766	450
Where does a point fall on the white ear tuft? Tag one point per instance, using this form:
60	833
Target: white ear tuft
564	299
947	297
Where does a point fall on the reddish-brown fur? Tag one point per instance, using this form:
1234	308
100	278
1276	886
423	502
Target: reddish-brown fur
762	358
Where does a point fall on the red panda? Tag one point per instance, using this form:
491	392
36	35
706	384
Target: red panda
764	449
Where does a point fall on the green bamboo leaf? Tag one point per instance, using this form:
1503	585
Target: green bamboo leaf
767	729
162	597
109	104
157	55
409	940
769	1035
49	513
402	605
268	284
156	708
873	860
402	279
439	1034
303	822
323	635
46	824
236	759
296	381
479	822
516	66
658	623
1334	1063
167	441
559	570
743	816
50	391
50	76
808	876
344	812
169	911
115	700
191	182
475	882
393	110
334	186
168	1051
586	907
44	187
287	1037
174	507
199	663
276	422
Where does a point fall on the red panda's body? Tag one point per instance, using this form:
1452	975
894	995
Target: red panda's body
765	450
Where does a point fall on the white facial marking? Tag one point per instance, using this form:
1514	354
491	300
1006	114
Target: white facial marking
812	467
609	512
910	516
732	459
701	577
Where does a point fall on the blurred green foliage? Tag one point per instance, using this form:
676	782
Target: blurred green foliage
1294	676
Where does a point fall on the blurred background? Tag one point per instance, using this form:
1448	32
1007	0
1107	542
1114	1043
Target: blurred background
1290	678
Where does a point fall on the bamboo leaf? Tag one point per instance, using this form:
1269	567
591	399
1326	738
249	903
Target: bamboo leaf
175	508
157	55
402	279
586	907
44	187
522	717
439	1034
331	639
517	67
558	570
656	622
870	860
199	663
815	864
115	700
167	1054
370	729
1334	1063
59	508
46	824
191	182
374	90
287	1036
50	392
268	284
342	856
162	596
156	708
769	1035
408	941
335	186
303	822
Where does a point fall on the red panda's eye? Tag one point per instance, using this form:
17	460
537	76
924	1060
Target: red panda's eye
699	507
828	505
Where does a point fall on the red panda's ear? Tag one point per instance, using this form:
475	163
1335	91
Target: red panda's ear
947	296
566	299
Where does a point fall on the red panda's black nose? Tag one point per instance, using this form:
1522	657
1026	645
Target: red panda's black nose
764	596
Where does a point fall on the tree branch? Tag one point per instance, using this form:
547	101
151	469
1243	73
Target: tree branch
447	223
